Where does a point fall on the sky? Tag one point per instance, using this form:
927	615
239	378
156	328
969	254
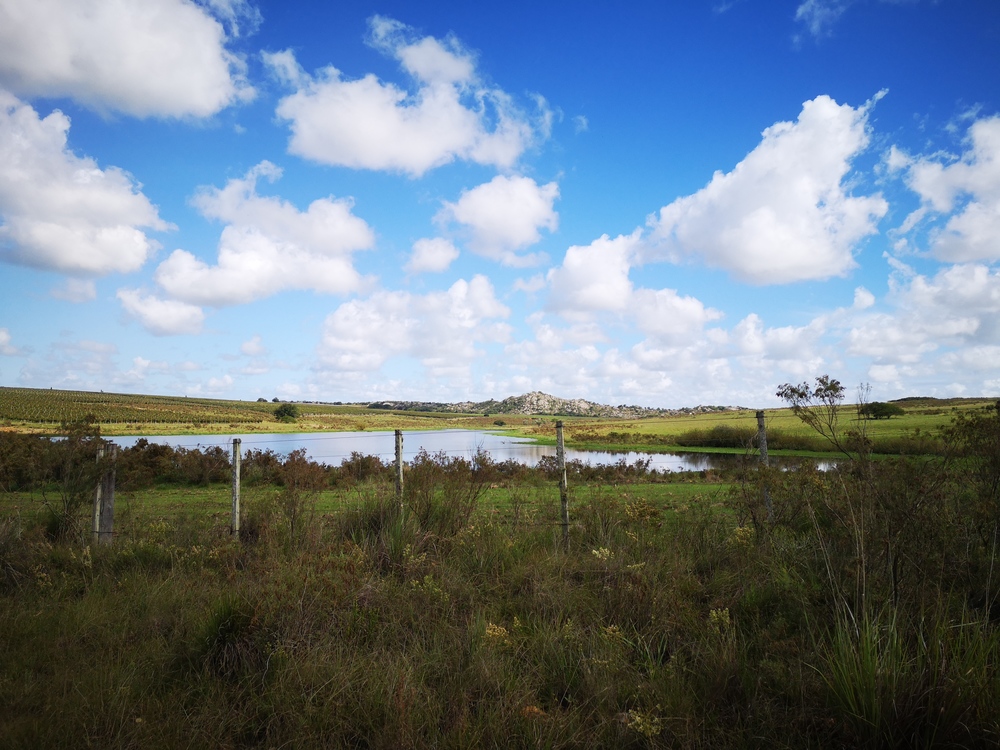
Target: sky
653	203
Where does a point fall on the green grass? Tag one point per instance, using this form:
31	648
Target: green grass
849	608
671	621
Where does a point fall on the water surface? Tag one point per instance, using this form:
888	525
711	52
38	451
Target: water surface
333	447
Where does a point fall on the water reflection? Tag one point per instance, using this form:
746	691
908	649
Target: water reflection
333	447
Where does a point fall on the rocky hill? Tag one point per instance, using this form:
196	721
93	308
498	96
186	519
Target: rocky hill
537	403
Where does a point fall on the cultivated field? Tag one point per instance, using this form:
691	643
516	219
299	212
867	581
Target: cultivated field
43	411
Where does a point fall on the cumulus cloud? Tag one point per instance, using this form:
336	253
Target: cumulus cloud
161	58
370	124
958	306
253	347
441	329
6	347
159	316
594	278
863	299
505	216
431	255
667	316
268	246
968	188
61	212
784	213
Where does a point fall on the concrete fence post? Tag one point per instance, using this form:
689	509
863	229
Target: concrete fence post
102	529
235	523
563	485
762	445
399	467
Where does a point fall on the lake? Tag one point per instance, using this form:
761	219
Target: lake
333	447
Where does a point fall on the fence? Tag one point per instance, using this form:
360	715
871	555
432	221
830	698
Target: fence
104	492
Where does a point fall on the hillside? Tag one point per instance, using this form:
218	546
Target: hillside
537	403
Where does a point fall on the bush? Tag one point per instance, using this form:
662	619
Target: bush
880	410
287	412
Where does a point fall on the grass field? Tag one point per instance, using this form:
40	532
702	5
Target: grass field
671	621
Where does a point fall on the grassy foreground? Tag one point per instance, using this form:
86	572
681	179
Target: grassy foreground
851	608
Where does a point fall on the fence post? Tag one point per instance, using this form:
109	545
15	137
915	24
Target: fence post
107	521
102	528
563	489
235	525
762	445
95	526
399	467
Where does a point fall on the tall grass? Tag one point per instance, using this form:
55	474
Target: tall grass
856	616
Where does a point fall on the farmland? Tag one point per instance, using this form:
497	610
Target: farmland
44	411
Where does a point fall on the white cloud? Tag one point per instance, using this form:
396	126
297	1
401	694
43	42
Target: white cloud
6	347
863	299
141	367
162	58
74	365
784	343
504	216
62	212
984	358
441	329
594	278
426	59
241	17
783	214
219	385
431	256
668	316
161	317
531	285
76	290
253	347
884	373
820	15
958	306
970	233
268	246
370	124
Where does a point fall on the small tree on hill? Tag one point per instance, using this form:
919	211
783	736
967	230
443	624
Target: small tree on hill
287	412
881	410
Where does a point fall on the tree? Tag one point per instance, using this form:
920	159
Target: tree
819	408
880	410
287	412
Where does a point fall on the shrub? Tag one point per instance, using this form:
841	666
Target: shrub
287	412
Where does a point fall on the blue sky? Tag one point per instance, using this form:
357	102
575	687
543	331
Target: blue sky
662	204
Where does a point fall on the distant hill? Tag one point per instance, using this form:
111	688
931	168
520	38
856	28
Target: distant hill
538	403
